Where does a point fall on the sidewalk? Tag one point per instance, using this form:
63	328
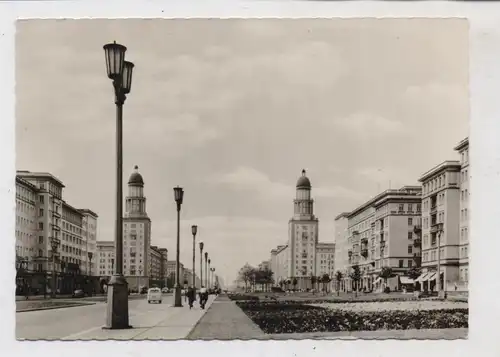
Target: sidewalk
156	322
225	321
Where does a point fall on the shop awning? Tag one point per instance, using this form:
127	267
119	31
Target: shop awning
422	278
405	280
434	276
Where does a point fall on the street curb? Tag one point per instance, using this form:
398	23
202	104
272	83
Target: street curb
55	307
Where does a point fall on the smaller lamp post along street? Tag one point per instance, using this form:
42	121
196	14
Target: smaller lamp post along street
440	231
179	197
54	243
194	230
120	72
206	270
209	270
212	279
90	255
201	264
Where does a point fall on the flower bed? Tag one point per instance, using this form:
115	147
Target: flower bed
22	306
294	317
393	306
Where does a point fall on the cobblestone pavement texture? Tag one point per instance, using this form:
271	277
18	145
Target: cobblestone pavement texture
225	321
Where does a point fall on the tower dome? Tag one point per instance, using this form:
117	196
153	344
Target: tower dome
303	181
136	178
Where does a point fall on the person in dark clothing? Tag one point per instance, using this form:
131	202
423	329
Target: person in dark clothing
191	296
203	297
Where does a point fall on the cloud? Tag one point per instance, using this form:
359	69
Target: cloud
363	124
250	179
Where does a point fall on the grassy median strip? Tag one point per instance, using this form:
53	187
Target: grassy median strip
48	305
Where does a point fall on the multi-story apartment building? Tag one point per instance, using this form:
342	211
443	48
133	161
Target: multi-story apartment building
463	150
105	259
441	219
265	264
89	236
171	267
188	276
325	260
280	268
136	233
158	258
380	233
44	219
341	249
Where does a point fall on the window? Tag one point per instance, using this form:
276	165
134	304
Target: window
40	226
401	207
41	199
401	263
410	235
41	212
410	221
410	207
410	263
410	249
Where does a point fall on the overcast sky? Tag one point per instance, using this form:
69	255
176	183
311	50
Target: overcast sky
233	110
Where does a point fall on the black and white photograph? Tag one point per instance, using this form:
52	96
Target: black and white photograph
250	179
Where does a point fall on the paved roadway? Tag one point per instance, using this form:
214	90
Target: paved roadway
75	321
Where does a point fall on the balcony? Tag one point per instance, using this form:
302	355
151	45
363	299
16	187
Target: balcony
417	229
382	243
364	252
364	240
304	255
417	242
55	226
433	209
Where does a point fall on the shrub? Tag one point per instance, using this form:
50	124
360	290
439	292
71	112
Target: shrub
387	290
238	297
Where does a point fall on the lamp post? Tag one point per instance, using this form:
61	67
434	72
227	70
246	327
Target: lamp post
209	270
120	72
440	230
179	196
201	264
90	255
206	270
194	230
212	277
54	243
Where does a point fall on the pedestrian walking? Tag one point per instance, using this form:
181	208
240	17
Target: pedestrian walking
203	297
191	295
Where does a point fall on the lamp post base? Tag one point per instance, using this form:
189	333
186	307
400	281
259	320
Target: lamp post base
177	297
117	309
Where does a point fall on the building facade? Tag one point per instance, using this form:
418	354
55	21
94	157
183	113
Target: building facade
381	233
341	248
136	233
441	208
105	258
171	268
158	258
463	263
325	259
89	236
43	220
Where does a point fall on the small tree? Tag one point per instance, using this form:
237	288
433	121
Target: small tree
313	281
338	279
414	273
325	279
356	277
385	274
294	283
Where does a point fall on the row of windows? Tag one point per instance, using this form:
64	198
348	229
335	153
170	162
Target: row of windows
435	183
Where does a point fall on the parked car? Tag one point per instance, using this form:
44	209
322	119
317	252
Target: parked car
78	293
154	294
144	290
164	290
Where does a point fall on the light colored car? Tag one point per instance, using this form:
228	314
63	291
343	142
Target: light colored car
164	290
154	294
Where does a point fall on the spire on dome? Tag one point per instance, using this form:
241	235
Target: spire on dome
136	178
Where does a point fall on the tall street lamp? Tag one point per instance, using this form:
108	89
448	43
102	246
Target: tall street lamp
440	230
209	270
54	243
212	277
179	196
120	72
201	264
206	270
194	230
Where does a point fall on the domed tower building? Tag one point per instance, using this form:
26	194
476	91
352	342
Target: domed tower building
136	233
302	235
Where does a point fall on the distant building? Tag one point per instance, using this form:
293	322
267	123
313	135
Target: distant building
105	258
341	251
